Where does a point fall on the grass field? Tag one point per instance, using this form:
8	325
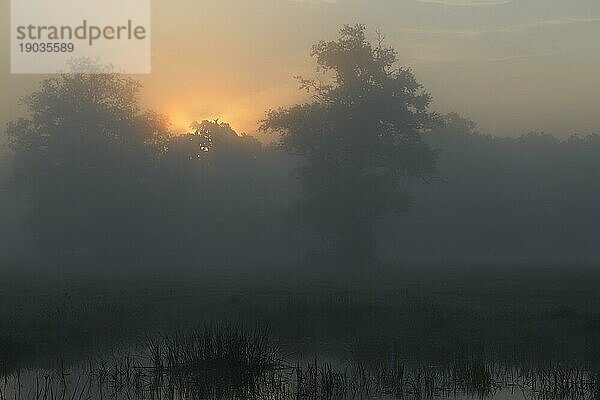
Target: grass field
418	333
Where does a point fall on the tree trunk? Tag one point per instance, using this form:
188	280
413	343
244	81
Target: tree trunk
356	246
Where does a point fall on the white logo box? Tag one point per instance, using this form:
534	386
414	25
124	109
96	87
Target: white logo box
112	33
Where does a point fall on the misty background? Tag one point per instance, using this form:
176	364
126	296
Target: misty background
520	187
530	200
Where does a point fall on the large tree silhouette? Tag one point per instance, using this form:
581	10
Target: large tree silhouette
85	157
360	136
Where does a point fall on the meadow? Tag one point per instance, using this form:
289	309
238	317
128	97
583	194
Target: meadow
459	333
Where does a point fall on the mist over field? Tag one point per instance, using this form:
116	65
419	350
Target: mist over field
292	206
490	202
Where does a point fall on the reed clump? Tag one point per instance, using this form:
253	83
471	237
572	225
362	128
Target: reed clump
221	358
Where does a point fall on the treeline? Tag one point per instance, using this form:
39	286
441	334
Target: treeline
98	179
526	200
531	199
362	173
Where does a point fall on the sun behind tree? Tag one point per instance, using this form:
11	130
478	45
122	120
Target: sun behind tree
360	136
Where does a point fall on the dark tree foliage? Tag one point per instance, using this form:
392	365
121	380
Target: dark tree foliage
106	181
360	136
85	156
212	182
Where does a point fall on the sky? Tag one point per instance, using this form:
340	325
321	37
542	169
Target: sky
512	66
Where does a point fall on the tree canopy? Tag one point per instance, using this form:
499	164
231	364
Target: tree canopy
84	155
360	136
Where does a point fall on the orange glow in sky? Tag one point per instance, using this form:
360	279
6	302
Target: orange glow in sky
511	66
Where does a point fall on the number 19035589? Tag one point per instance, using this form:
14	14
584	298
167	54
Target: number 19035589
46	47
